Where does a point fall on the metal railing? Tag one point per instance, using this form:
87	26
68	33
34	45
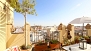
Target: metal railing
38	36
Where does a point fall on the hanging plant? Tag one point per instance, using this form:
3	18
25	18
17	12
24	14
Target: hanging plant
68	35
87	26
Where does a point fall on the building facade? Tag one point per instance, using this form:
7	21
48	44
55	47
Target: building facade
6	15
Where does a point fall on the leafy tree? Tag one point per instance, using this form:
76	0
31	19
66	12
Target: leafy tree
25	7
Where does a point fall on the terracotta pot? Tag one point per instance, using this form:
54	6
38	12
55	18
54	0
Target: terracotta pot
88	40
55	46
76	41
40	47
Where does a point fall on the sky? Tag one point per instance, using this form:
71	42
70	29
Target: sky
54	12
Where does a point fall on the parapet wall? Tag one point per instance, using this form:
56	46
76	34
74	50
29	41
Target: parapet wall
63	32
18	39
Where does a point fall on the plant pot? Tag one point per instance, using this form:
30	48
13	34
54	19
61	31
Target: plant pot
55	46
76	41
88	40
40	47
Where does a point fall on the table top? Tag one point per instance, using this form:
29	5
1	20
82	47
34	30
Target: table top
75	47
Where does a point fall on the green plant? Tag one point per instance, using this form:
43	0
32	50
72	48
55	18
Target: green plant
41	43
54	41
73	42
68	43
65	40
24	47
47	40
86	37
28	46
77	38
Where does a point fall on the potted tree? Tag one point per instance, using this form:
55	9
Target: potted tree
54	44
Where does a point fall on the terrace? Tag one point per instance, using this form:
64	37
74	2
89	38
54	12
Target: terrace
55	41
60	39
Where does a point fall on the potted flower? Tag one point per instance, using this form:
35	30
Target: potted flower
25	48
87	38
54	44
77	38
40	46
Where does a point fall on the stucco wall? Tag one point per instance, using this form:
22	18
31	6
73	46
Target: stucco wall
72	33
2	28
3	24
2	33
63	33
17	38
89	32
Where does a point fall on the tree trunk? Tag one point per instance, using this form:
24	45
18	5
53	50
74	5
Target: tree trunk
25	30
